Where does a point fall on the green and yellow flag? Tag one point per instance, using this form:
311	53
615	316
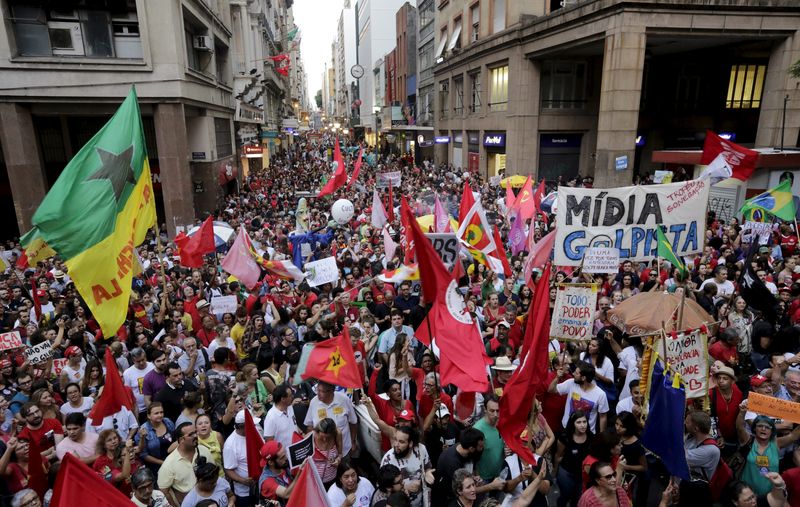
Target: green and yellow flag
666	252
98	211
775	201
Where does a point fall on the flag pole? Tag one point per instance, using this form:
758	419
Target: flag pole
160	260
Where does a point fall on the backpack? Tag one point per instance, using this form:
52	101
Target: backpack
723	475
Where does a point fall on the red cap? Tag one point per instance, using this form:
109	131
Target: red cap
406	415
41	293
270	449
757	380
71	351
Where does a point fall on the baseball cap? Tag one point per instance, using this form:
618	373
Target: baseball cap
270	449
757	380
406	415
240	418
442	411
72	350
41	293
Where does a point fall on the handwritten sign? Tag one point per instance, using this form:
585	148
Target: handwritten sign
299	451
601	260
322	271
392	178
573	315
58	365
39	353
626	218
688	356
223	304
753	230
774	407
10	341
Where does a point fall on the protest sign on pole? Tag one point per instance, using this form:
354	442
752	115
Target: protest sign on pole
299	451
392	178
626	218
753	230
688	355
223	304
10	341
573	314
39	353
321	271
446	245
601	260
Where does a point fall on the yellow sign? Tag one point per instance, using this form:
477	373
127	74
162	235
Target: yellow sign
774	407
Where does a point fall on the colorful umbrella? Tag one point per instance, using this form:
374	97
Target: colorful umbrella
515	181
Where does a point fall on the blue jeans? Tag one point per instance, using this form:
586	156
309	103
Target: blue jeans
569	488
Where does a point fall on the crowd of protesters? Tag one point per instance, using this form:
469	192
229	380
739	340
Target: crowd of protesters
194	373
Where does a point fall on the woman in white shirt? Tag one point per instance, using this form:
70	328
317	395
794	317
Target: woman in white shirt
349	486
76	402
223	339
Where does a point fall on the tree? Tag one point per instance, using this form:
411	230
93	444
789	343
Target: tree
318	98
794	70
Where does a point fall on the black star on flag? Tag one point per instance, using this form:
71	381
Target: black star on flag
116	169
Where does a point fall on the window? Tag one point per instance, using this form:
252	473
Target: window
442	44
458	107
455	40
221	61
222	132
498	15
475	21
426	14
75	32
475	92
498	88
687	91
745	86
563	85
444	95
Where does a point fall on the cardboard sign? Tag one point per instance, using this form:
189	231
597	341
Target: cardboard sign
601	260
10	341
753	230
688	355
392	178
58	365
39	353
573	314
774	407
298	452
446	245
626	219
223	304
321	271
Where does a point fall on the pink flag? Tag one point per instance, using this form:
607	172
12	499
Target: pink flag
538	254
379	217
516	235
389	246
510	198
240	261
440	217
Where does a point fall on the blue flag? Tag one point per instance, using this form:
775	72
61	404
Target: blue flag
663	430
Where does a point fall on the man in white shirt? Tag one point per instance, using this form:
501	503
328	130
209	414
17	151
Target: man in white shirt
133	377
409	456
724	286
338	407
280	423
234	460
582	394
123	421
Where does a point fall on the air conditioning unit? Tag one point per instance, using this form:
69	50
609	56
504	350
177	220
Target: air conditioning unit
203	43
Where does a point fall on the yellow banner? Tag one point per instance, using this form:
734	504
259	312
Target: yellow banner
103	273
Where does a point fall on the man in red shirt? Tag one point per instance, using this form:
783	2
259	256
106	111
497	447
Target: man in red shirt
47	433
724	349
725	400
275	482
430	395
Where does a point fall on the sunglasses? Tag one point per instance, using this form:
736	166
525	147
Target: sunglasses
607	477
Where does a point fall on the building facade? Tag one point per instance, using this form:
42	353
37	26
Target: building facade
595	87
346	56
426	17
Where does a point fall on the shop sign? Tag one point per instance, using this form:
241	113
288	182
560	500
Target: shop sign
253	151
199	187
472	137
494	140
621	163
442	140
561	140
198	155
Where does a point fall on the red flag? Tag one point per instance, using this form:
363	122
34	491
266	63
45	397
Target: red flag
22	261
334	361
356	169
278	58
463	356
37	476
308	488
114	395
37	305
390	207
192	248
500	253
510	198
339	174
525	202
77	484
735	161
406	239
253	443
538	254
467	202
538	196
530	379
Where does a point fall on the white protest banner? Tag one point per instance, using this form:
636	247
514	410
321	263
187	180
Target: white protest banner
10	341
392	178
321	271
39	353
626	218
223	304
601	260
299	451
446	245
688	355
573	314
760	230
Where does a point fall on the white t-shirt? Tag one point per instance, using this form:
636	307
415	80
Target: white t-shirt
591	402
625	405
280	425
607	370
126	423
87	403
724	289
342	412
628	361
364	493
133	377
411	468
214	345
234	457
